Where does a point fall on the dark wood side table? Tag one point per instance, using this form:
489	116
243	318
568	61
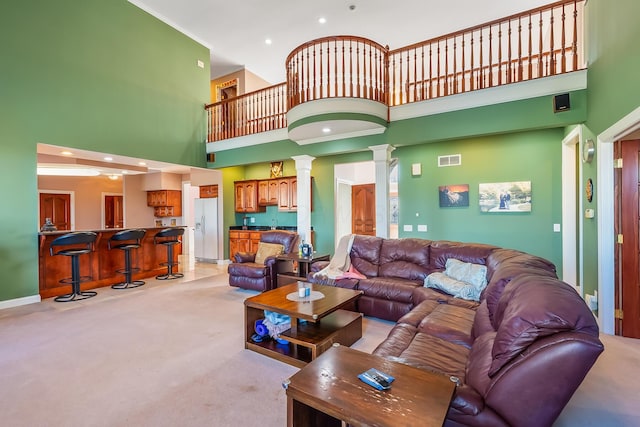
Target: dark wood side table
286	267
327	391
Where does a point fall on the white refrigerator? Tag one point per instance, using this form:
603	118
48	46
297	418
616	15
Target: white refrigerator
206	229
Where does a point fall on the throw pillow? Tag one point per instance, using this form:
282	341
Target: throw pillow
265	250
473	274
452	286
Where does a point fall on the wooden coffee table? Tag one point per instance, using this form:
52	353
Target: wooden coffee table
327	391
315	324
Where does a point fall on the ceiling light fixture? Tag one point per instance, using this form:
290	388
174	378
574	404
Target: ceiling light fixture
66	171
142	164
322	20
66	153
108	159
113	177
326	129
268	41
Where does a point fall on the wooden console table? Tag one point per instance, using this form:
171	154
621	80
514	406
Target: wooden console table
285	271
327	391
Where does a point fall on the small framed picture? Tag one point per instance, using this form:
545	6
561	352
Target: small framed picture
452	196
276	169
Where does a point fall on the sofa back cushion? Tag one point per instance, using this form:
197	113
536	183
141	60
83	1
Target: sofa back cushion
442	250
501	274
404	258
532	307
288	239
365	254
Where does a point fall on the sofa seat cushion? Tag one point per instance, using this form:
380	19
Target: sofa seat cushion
248	269
406	344
389	288
449	322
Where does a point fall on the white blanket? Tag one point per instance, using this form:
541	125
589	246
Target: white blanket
340	262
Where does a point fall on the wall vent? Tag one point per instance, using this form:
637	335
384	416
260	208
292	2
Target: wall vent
450	160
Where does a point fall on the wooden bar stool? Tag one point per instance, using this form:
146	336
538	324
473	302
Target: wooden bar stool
73	245
169	237
127	240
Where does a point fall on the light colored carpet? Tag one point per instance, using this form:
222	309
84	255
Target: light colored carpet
172	354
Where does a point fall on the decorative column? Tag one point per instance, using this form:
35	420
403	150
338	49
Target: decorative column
382	159
303	172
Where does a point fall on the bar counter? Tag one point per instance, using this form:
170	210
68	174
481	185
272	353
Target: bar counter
101	264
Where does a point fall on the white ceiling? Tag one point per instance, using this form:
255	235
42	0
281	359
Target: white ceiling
235	31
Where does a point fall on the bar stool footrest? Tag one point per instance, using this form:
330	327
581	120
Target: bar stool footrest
75	296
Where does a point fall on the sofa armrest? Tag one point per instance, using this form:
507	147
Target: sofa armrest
245	257
318	265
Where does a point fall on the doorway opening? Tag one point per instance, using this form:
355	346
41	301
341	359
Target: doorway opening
112	210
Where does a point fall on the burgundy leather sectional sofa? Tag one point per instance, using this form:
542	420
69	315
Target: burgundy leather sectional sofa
518	354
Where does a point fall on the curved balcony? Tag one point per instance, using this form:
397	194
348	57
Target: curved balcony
343	86
336	85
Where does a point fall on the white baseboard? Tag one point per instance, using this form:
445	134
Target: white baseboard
19	301
223	261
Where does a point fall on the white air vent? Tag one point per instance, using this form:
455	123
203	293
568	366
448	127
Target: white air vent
451	160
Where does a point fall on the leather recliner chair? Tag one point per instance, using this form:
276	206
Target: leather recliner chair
245	273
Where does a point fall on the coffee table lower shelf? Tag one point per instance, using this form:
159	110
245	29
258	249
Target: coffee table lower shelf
310	340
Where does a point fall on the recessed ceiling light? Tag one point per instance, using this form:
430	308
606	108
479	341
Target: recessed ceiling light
268	41
66	153
113	177
326	129
108	159
124	172
322	20
142	164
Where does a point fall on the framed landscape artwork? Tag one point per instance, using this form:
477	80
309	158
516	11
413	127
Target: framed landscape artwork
507	197
453	196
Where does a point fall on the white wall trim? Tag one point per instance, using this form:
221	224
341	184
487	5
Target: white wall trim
19	301
247	140
606	199
569	208
568	82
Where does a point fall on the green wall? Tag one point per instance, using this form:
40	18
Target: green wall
524	156
98	75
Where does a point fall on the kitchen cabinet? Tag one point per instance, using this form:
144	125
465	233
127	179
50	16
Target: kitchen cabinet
246	197
243	241
288	194
268	192
165	202
208	191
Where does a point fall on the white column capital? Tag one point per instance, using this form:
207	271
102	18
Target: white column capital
303	162
382	152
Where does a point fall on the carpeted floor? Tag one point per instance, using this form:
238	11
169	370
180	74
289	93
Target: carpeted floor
172	354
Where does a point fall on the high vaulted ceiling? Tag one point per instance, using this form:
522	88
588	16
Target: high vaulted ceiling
235	31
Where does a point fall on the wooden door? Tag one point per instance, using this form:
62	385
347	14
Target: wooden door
113	212
58	208
627	218
363	209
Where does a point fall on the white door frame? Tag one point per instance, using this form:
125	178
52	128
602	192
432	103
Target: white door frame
570	232
72	201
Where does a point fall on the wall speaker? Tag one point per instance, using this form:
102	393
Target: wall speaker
561	103
211	157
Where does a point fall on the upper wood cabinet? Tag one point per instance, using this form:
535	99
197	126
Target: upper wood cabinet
165	202
208	191
268	192
253	196
247	196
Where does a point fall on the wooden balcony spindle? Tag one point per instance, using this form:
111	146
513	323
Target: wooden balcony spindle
446	66
499	54
463	61
490	56
540	45
519	76
563	58
430	70
574	44
335	67
481	77
552	60
438	70
351	90
454	80
529	70
422	76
